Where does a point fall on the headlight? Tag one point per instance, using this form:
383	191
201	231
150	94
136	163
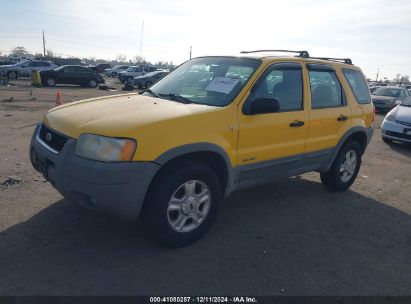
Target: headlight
391	115
105	148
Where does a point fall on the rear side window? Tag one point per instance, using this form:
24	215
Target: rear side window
358	85
326	91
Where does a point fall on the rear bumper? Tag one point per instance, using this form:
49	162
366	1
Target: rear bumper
117	188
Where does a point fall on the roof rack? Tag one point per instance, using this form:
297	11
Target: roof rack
344	60
300	53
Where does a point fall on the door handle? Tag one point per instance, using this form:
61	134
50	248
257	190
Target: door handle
296	124
342	118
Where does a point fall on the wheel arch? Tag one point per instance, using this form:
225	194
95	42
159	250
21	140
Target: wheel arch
207	153
360	134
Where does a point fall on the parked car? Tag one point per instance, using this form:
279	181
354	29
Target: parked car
100	68
179	148
26	67
397	124
148	79
387	98
113	72
71	74
135	71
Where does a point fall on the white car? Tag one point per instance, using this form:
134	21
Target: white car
113	72
26	67
397	124
135	71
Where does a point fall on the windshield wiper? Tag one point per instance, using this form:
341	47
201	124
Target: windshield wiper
152	93
176	97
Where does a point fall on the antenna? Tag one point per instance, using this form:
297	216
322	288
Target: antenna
191	49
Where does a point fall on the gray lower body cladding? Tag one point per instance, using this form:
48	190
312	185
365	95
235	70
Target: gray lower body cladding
117	188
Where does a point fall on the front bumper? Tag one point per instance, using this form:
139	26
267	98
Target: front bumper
117	188
395	131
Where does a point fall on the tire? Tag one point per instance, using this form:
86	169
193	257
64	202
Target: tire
386	140
344	169
114	74
50	82
92	83
186	220
12	75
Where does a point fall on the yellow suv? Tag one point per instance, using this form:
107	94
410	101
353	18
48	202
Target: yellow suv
214	125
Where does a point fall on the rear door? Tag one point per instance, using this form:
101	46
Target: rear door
330	116
67	75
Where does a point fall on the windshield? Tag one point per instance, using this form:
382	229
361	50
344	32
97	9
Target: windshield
213	81
22	62
60	68
389	92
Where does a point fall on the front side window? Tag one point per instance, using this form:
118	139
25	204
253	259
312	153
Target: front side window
285	85
326	91
213	81
358	85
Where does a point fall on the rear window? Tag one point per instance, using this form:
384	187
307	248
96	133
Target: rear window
358	85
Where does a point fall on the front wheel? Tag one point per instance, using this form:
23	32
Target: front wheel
92	83
344	169
183	203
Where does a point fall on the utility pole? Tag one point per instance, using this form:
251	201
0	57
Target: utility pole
378	71
141	38
44	46
191	49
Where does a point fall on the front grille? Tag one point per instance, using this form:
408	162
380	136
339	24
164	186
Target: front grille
408	124
52	139
399	135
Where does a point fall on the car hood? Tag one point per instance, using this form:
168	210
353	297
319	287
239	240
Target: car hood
117	115
403	114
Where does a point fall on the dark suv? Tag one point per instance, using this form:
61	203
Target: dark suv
71	74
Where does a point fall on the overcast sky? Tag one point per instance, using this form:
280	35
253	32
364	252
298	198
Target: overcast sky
374	33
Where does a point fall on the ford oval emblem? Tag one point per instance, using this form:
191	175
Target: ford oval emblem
48	137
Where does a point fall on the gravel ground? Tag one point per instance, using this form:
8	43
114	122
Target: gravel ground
292	237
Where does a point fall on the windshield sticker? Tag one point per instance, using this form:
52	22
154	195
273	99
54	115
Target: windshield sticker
222	85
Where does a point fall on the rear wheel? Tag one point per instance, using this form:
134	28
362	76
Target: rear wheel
114	74
92	83
51	82
12	75
183	203
344	169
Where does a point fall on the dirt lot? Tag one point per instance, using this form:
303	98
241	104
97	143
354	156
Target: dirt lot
291	237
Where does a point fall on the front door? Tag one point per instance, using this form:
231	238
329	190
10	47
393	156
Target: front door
273	144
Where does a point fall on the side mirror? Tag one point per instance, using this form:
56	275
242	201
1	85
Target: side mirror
263	106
